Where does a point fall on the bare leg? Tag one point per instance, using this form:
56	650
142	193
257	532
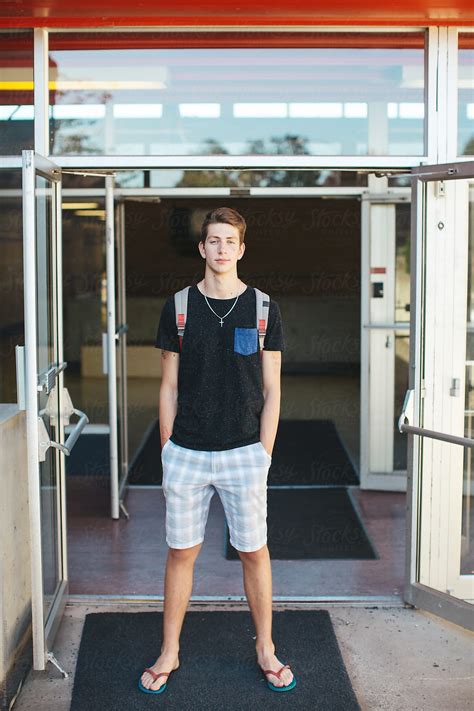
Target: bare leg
258	589
178	588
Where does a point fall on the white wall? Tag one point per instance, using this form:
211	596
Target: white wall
15	575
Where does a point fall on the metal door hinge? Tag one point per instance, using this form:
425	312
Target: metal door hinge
20	377
455	389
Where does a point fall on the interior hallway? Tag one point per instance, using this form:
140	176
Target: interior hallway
127	557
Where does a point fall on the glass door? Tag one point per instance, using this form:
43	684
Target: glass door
385	337
121	353
436	413
115	343
47	403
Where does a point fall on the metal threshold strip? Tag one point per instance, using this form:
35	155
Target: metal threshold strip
293	601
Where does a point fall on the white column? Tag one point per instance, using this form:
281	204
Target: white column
41	93
441	117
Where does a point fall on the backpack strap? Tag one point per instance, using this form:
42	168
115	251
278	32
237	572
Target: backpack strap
181	311
262	306
262	303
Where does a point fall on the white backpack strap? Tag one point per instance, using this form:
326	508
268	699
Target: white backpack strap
262	303
181	310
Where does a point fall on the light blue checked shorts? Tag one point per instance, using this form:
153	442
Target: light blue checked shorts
239	476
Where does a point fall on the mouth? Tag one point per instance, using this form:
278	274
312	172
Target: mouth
222	260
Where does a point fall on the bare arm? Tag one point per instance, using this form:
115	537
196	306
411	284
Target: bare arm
271	370
168	402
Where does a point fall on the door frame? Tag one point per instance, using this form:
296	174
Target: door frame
369	479
121	334
416	593
110	340
38	442
116	198
44	627
115	344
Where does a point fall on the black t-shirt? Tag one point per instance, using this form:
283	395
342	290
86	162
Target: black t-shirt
220	385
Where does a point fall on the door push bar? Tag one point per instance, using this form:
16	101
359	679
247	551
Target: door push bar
51	410
407	414
47	378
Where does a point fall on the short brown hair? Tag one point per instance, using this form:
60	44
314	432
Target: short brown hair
227	215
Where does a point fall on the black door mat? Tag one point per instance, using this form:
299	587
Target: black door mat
305	452
145	465
218	666
310	452
312	523
90	456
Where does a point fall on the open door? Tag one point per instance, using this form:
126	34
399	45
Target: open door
121	336
48	406
385	338
115	349
438	407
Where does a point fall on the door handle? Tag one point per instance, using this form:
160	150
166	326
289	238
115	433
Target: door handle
67	410
407	410
74	435
407	413
44	442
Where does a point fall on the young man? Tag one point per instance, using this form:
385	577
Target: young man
219	408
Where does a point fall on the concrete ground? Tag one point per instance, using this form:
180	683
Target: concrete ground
398	659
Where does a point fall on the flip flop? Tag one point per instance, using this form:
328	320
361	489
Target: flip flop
271	686
155	677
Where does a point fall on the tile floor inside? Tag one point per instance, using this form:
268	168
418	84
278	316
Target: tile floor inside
127	557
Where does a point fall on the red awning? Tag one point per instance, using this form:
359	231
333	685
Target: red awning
120	13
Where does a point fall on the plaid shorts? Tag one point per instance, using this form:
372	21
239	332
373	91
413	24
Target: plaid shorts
239	476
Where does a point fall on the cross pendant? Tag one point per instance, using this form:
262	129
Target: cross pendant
222	322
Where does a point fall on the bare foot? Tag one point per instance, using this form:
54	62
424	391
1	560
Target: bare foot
267	660
166	662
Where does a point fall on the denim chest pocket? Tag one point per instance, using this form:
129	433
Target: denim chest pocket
245	340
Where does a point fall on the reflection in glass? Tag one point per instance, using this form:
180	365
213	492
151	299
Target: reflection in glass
225	179
16	92
84	296
466	94
11	281
402	337
153	94
402	362
402	261
257	178
46	357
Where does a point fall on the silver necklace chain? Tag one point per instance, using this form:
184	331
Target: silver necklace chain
221	317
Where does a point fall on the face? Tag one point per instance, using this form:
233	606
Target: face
222	248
